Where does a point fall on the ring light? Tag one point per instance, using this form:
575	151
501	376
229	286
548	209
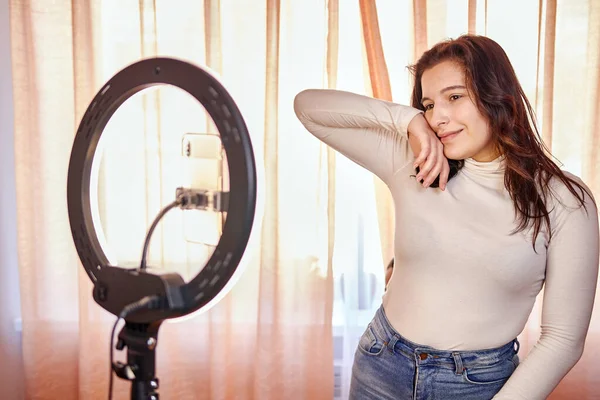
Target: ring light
142	298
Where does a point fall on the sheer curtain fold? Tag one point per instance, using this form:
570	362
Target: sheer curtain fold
419	14
472	16
548	59
11	367
380	86
591	157
333	39
42	48
270	362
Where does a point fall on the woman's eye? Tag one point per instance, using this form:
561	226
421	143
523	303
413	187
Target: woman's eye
428	107
455	97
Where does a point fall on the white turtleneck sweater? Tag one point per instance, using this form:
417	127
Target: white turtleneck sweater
461	280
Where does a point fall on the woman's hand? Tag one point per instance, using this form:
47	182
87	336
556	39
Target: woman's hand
428	151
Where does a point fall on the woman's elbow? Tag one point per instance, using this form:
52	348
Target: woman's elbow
301	103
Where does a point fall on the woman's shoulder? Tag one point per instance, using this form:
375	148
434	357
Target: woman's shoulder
569	191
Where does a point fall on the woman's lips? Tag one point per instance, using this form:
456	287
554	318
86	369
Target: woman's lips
450	137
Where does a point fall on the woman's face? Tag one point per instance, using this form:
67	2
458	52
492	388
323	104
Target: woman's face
454	116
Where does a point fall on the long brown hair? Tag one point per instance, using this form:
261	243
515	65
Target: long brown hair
494	87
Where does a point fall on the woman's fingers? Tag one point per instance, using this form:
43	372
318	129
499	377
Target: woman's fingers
435	170
434	164
423	154
430	158
445	173
428	168
427	162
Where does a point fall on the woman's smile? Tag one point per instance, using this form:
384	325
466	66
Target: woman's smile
447	137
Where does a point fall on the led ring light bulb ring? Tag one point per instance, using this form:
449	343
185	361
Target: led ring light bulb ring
242	177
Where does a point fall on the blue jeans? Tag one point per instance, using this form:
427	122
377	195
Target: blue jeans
388	366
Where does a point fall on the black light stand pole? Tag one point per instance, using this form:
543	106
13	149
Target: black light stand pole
141	341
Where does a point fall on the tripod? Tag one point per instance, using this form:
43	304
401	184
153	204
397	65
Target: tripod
140	340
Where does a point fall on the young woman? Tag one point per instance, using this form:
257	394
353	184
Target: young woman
484	219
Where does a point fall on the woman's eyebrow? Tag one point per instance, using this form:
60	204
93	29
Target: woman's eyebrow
445	90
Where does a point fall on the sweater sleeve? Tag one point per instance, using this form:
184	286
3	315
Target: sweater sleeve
369	131
570	288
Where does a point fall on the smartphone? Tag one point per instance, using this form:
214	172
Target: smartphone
204	168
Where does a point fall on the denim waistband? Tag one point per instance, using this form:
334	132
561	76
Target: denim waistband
458	359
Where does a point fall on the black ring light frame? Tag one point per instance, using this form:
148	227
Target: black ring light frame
143	299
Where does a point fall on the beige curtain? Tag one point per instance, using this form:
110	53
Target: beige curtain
270	337
564	89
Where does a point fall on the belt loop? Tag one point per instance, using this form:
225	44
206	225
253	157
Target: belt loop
459	364
392	343
518	345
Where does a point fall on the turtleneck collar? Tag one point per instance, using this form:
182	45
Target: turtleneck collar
494	167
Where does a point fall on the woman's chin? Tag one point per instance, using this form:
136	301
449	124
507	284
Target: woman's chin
454	154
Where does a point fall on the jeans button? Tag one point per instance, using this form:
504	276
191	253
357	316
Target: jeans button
423	356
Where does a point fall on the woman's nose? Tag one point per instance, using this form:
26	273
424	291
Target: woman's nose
439	118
